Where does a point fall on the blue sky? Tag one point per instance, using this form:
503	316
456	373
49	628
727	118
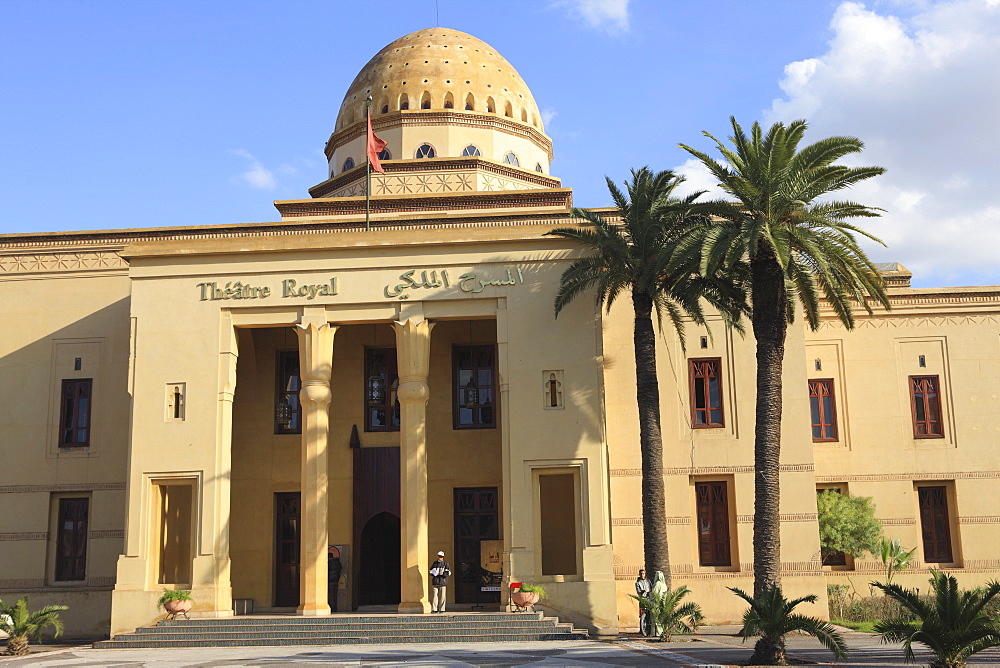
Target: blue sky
141	114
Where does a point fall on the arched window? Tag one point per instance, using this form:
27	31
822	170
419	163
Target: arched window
524	115
538	168
385	155
491	107
508	111
470	151
470	102
385	109
348	164
449	101
425	151
425	100
404	101
511	159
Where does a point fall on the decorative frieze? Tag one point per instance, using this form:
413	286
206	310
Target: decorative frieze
65	487
783	517
25	535
710	470
637	521
53	263
885	477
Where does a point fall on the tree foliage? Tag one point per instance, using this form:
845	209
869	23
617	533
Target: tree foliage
668	614
952	624
847	524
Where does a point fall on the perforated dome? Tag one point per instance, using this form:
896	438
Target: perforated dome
434	68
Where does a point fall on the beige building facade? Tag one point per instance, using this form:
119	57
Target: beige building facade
224	408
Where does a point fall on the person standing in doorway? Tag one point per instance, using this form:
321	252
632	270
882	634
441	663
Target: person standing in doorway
440	570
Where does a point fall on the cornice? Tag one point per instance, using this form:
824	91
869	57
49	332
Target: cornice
507	199
428	117
397	167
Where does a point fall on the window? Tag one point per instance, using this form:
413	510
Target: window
713	524
287	393
470	151
823	409
381	387
511	159
475	387
348	164
74	413
832	558
925	400
934	524
385	109
706	393
71	540
538	167
425	151
384	154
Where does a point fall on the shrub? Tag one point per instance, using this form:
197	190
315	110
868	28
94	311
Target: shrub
174	595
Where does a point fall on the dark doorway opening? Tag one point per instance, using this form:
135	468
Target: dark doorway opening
379	561
376	563
287	521
476	519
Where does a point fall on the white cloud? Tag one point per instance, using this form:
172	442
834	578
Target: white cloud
612	16
549	113
922	92
257	176
697	177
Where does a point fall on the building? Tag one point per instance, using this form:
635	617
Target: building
216	407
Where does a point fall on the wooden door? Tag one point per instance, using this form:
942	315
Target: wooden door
287	522
376	563
477	518
713	524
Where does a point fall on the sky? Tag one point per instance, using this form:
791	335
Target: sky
122	114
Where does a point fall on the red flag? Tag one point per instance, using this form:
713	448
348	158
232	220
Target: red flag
375	146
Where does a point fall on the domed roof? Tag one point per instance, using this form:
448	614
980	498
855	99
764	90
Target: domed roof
439	66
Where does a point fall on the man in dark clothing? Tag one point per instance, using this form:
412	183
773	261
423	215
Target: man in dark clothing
440	570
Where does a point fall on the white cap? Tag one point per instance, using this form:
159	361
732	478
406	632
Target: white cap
440	554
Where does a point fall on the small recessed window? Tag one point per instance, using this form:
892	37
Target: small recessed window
385	109
348	164
470	151
538	167
449	105
511	159
404	105
425	151
384	154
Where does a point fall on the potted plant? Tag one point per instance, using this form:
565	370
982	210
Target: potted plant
527	595
176	601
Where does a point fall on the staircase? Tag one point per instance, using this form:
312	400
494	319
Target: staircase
346	630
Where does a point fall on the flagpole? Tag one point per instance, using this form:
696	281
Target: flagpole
368	174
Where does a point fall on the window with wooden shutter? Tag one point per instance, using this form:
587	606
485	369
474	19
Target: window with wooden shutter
713	524
823	410
474	379
934	524
706	393
74	413
925	400
381	390
71	540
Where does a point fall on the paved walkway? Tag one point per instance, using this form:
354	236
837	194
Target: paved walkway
712	646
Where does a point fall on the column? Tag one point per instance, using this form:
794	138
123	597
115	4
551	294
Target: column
413	352
315	366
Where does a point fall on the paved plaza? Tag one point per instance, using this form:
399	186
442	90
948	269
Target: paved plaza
712	646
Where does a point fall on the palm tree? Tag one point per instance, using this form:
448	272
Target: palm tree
633	257
771	618
22	626
800	249
953	626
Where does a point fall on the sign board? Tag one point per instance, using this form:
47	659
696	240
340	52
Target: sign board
491	563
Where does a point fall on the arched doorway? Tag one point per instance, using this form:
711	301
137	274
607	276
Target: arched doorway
378	560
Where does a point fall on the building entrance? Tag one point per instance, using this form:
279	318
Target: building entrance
287	520
476	519
376	526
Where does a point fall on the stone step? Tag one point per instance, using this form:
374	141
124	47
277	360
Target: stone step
314	639
288	620
346	628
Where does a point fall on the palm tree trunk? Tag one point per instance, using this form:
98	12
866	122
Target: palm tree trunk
770	325
654	516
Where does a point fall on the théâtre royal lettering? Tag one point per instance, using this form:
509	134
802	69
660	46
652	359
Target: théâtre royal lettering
211	291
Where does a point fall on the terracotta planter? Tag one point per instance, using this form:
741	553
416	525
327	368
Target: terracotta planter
524	598
178	607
